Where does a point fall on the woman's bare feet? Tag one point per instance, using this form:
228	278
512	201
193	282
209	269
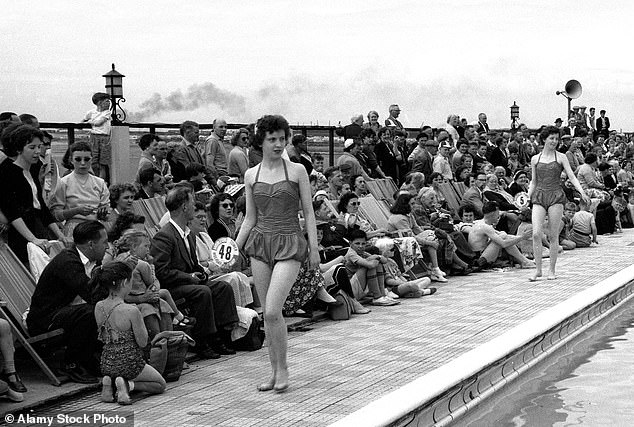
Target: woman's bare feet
281	381
267	385
535	277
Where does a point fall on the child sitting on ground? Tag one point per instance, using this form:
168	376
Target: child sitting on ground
153	302
583	225
566	227
365	270
123	334
395	280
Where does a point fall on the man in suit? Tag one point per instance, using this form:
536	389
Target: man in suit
211	302
603	125
498	155
62	299
152	183
392	121
420	158
572	129
482	126
352	130
185	152
474	196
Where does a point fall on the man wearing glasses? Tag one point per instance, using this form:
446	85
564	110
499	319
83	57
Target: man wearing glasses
474	196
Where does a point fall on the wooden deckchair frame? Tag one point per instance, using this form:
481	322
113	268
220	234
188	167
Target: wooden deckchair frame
16	291
382	189
450	194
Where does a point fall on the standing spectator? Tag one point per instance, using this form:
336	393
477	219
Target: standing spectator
603	125
298	152
271	236
238	160
482	126
368	143
99	119
62	300
498	155
80	196
213	149
148	144
387	155
21	195
392	121
352	130
453	122
373	121
441	163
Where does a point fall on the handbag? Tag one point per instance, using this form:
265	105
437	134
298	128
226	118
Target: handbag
253	339
342	311
168	352
419	270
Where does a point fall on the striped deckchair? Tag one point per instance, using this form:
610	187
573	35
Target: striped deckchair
450	194
17	288
382	189
376	212
460	188
153	210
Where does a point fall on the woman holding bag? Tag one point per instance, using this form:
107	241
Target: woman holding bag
272	237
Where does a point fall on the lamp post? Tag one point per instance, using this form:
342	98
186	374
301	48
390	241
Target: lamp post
515	115
114	89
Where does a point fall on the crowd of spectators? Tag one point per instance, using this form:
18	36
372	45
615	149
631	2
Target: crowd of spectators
174	281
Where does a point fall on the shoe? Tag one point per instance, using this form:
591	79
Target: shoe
384	301
392	295
78	374
14	396
123	392
14	384
185	322
437	271
222	349
436	278
429	291
206	352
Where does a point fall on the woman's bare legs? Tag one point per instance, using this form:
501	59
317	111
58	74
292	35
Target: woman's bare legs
538	216
555	213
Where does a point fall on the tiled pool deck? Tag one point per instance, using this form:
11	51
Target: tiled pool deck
338	367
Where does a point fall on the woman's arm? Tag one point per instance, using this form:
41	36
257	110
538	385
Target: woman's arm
138	327
327	266
531	186
24	231
251	216
309	215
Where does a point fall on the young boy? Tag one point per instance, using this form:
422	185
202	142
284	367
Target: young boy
365	270
583	225
566	227
99	118
395	280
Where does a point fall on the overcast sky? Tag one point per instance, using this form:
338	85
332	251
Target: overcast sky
319	61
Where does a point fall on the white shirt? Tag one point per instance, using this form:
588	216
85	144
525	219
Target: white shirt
182	233
88	264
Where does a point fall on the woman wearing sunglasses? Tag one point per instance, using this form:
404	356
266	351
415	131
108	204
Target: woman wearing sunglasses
80	195
225	223
272	237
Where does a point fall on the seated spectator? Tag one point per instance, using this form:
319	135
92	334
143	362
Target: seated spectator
359	186
462	172
400	285
80	196
335	182
467	214
488	243
334	234
583	227
503	180
126	221
566	227
152	184
61	300
349	213
401	219
121	198
9	376
474	195
148	143
239	282
211	301
21	195
493	192
414	181
520	183
238	162
225	224
365	271
123	334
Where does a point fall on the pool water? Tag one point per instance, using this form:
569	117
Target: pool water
588	382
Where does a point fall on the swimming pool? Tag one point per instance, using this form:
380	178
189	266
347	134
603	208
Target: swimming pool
587	382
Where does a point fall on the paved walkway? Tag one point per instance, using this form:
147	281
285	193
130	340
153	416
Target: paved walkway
338	367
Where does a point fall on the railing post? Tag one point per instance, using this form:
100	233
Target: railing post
71	135
152	129
305	132
331	146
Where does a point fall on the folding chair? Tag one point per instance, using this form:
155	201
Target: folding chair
382	189
16	291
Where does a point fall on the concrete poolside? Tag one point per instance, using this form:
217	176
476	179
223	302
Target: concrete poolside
338	367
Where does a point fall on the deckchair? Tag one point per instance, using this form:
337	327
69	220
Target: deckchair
382	189
448	192
153	210
17	288
460	188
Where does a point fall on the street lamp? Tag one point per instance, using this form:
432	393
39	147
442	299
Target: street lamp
515	114
114	89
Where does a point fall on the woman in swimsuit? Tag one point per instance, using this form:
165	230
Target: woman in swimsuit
547	195
271	235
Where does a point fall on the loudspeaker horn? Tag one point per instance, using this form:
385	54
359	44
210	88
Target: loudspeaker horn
573	89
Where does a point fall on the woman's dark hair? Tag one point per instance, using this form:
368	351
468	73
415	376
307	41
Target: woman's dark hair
459	170
20	138
548	130
6	129
214	205
401	204
518	174
193	169
268	124
604	166
108	277
236	138
590	158
124	222
353	180
344	200
117	190
241	205
382	131
367	133
356	233
79	146
467	179
435	175
146	140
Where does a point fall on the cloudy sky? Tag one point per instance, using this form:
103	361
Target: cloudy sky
319	61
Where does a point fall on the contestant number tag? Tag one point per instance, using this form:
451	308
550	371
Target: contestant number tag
224	252
521	200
